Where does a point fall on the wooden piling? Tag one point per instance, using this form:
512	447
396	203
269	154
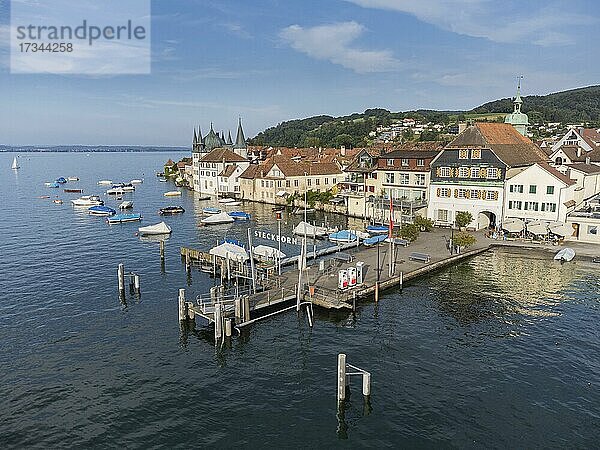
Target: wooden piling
227	327
182	314
189	310
218	322
366	387
162	250
401	279
376	291
121	277
136	283
238	311
341	378
246	308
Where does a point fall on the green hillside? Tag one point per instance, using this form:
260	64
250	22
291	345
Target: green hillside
576	105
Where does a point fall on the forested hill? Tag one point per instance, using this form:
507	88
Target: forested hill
576	105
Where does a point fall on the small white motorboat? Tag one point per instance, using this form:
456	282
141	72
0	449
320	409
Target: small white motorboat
226	200
172	193
211	210
565	255
234	203
217	219
72	178
105	182
267	253
127	187
116	191
308	230
151	230
229	250
136	181
88	200
15	164
126	205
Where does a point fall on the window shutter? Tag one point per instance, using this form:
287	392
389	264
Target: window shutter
496	195
438	192
455	193
482	173
467	193
437	171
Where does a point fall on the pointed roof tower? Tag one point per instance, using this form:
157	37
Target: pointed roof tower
212	140
195	141
229	141
518	119
240	139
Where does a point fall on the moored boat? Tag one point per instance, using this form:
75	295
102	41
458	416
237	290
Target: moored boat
226	200
267	253
151	230
121	218
374	240
53	185
216	219
73	191
57	201
73	178
172	193
116	191
239	215
126	187
127	204
101	210
211	210
565	255
15	164
61	180
136	181
377	229
171	210
300	211
88	200
308	230
105	182
347	236
229	250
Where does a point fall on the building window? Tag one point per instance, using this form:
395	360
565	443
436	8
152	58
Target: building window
474	172
463	154
464	172
404	162
420	179
445	172
518	188
420	162
443	192
549	207
492	172
531	206
592	229
404	178
390	162
389	178
278	183
442	215
474	193
491	195
262	183
476	153
309	182
532	188
287	183
549	190
335	182
462	193
317	181
326	180
296	183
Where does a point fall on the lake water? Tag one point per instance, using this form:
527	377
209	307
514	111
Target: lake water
502	350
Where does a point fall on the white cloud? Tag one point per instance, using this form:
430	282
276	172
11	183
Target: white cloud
333	42
489	19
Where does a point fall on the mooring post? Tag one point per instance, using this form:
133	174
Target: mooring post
366	388
162	250
341	378
182	314
187	262
121	276
189	310
218	322
246	308
238	311
353	301
401	279
376	291
136	283
308	313
227	327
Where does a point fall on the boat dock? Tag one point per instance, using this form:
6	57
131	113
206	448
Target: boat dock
240	300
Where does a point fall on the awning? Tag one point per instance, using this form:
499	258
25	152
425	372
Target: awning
537	227
513	225
281	194
560	228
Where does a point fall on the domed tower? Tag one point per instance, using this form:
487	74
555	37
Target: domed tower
518	119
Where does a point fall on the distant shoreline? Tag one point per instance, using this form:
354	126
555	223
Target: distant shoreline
90	149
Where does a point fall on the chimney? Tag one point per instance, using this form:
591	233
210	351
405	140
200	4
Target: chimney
587	160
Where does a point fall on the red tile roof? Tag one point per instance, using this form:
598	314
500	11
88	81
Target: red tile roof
222	154
561	176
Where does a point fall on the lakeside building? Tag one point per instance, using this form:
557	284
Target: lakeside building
538	192
578	145
218	161
278	177
470	172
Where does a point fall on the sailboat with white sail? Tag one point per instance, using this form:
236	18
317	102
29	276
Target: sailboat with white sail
15	164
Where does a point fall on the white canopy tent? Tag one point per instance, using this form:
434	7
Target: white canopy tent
513	225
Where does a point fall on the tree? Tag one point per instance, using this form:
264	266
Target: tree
409	231
464	239
423	223
463	218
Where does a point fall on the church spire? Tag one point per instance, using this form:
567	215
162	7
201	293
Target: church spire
518	101
195	141
240	139
229	141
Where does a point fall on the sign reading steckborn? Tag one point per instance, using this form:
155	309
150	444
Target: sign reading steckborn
275	237
80	37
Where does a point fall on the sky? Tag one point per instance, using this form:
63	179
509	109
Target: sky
267	61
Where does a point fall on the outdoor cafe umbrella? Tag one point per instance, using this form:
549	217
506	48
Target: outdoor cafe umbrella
559	228
537	227
513	225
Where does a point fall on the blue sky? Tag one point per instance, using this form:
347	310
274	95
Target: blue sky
273	60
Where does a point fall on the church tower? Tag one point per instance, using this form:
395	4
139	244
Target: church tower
518	119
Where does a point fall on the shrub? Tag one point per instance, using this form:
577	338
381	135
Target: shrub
409	231
464	239
463	218
423	223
